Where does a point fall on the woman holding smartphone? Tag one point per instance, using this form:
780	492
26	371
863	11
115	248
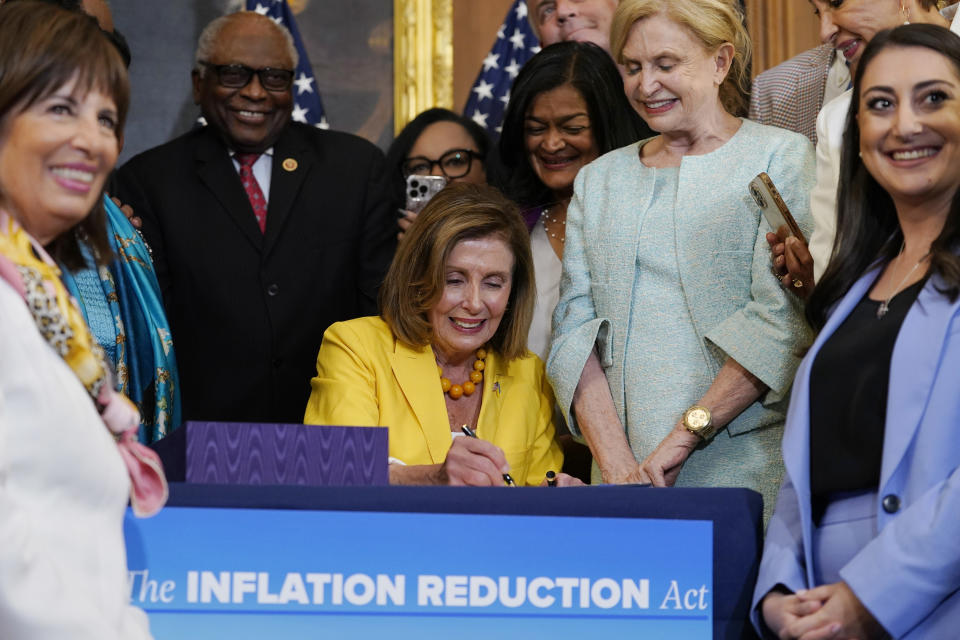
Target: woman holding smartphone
441	144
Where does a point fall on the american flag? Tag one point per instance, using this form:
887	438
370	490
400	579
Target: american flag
307	107
516	43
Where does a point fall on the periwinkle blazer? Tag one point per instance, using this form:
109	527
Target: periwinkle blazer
366	377
909	575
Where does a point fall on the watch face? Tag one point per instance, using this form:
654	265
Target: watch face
697	419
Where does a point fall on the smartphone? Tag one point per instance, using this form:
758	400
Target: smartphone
421	188
774	208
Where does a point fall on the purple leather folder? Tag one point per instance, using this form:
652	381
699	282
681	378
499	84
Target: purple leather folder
269	454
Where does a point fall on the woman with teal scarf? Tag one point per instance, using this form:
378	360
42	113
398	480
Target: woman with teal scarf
122	305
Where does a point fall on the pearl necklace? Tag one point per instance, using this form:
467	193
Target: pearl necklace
552	220
467	387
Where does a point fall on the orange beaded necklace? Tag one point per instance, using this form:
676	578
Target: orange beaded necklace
467	387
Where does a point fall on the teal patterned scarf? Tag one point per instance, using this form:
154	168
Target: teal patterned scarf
122	305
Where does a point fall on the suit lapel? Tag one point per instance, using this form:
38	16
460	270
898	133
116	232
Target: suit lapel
796	437
916	358
497	386
416	373
215	169
291	163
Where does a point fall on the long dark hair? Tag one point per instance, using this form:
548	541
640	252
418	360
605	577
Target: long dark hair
590	70
400	148
867	226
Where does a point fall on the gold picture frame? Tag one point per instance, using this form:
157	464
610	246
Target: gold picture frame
422	58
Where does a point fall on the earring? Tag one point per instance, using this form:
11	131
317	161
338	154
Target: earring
905	12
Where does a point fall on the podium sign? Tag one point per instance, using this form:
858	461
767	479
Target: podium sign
265	573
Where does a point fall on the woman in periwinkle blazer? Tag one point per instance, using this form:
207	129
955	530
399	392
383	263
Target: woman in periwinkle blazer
865	540
668	311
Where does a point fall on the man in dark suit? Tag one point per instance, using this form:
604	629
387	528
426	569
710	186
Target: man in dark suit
264	231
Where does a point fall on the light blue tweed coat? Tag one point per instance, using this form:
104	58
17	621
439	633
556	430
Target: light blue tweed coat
737	306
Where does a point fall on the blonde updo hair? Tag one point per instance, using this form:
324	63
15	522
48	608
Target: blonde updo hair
712	22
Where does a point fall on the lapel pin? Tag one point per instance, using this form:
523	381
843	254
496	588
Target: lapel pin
496	388
290	164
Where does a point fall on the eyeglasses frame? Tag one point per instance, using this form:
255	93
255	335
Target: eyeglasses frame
218	69
471	154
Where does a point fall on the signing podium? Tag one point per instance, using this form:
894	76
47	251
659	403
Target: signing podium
264	560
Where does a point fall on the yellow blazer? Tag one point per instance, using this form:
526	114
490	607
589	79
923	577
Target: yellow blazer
366	377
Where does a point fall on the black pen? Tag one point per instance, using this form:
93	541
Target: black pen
551	478
467	431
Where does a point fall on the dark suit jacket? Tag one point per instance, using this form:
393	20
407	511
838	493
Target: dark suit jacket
248	310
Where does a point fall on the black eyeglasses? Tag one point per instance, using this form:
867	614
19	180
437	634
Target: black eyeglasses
453	164
237	76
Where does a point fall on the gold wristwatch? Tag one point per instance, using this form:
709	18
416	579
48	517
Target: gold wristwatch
698	421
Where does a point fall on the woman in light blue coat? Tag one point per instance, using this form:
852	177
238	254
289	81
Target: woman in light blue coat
670	325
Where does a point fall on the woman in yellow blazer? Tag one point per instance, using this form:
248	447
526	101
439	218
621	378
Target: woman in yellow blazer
448	351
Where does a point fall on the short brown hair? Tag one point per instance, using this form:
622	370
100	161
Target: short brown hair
712	22
416	278
42	48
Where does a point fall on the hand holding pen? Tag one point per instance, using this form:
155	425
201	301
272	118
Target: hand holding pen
473	462
467	431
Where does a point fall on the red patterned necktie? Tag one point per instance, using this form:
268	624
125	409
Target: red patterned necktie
252	187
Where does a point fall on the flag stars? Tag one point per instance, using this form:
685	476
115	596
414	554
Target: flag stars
490	62
299	113
517	39
521	11
500	34
513	69
480	118
304	84
262	10
484	90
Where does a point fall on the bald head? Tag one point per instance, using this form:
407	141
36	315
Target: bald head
581	20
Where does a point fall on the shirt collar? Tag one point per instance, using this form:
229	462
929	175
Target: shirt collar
268	153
